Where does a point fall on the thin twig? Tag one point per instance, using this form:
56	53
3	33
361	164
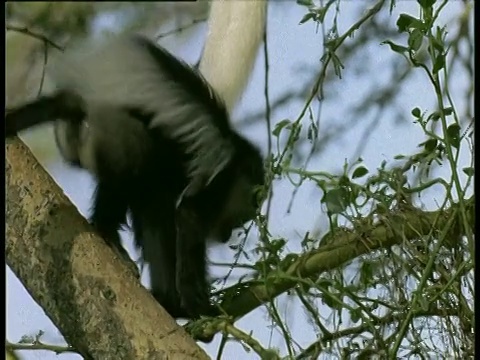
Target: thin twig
26	31
38	345
179	29
44	68
267	112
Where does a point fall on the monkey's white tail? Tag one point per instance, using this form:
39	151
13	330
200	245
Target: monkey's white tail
235	31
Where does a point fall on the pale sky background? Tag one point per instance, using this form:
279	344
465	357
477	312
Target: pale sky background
292	47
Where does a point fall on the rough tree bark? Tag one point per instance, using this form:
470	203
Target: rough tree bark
88	293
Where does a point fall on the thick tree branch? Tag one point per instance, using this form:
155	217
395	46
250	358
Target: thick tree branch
89	294
341	247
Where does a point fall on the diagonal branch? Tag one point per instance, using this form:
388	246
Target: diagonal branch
28	32
342	247
90	295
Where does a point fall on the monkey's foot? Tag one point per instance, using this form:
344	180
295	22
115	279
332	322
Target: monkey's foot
204	329
132	266
113	240
172	306
196	302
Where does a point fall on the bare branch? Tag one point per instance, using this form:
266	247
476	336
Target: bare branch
90	295
26	31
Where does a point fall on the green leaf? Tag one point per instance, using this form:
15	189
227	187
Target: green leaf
307	17
359	172
416	112
426	3
453	135
424	303
366	273
431	145
324	284
278	128
312	132
395	47
439	63
331	301
440	35
355	315
305	2
434	116
336	200
437	44
337	64
469	171
406	22
344	180
415	39
448	111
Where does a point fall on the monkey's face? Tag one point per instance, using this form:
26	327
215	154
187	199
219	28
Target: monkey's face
240	207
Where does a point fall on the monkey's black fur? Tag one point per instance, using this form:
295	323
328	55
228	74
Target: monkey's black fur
177	167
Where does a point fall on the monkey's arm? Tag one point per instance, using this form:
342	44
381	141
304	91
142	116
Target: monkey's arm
109	214
191	269
60	105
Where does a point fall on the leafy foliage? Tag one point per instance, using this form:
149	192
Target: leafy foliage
390	268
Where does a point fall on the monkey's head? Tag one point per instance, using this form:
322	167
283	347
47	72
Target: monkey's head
244	195
241	206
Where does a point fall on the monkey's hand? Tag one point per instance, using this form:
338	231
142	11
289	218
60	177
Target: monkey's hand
112	238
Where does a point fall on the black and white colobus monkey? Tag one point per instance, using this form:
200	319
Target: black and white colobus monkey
158	140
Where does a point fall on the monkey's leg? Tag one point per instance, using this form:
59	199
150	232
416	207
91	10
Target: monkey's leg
191	270
109	213
154	228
